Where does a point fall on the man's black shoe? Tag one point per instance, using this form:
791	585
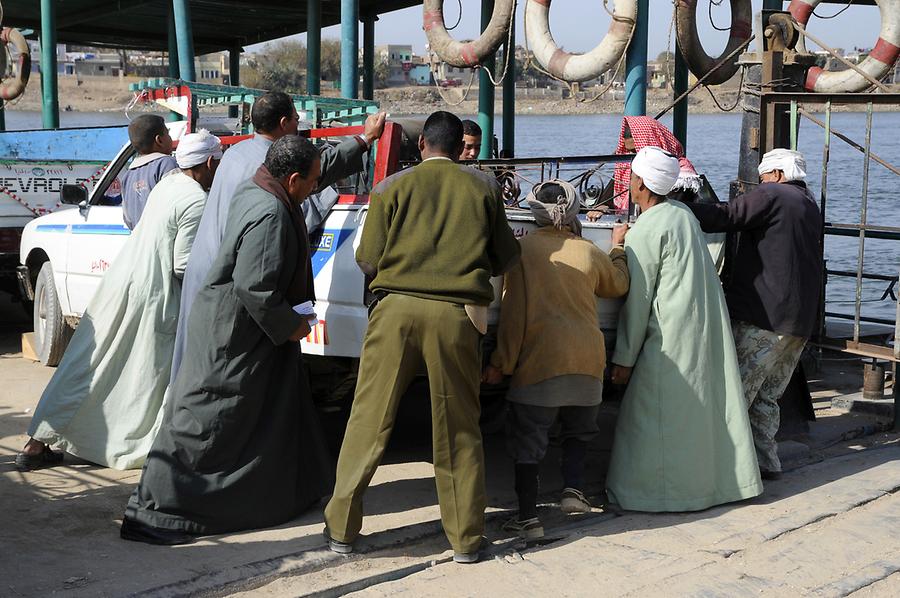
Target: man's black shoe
139	532
769	475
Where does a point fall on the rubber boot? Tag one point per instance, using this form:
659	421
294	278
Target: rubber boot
574	453
527	489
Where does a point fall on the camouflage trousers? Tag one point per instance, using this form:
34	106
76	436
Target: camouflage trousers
767	361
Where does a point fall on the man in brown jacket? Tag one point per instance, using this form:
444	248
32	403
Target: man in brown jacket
550	342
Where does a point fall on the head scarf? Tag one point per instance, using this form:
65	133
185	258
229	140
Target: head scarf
645	132
563	213
688	179
196	148
657	168
791	163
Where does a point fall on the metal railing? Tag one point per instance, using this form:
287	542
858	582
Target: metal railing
860	344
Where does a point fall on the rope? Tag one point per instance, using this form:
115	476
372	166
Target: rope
709	11
435	75
509	36
459	20
706	76
835	14
669	51
736	102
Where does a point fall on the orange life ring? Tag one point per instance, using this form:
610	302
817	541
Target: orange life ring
699	62
877	64
469	54
10	89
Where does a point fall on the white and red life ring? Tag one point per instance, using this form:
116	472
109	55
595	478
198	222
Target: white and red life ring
10	89
699	62
468	54
578	67
877	64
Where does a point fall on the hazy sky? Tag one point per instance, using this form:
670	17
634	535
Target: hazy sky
579	25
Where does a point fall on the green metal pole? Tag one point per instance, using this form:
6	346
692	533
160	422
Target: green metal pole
49	89
680	114
636	64
313	46
350	49
173	58
369	57
173	45
185	36
509	97
234	72
486	91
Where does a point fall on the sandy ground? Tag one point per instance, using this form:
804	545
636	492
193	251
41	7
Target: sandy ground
827	528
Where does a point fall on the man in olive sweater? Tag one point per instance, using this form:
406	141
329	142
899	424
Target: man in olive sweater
434	236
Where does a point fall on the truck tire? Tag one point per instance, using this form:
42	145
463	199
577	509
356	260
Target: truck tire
51	332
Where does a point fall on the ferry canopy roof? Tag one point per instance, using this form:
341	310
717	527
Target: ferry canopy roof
144	24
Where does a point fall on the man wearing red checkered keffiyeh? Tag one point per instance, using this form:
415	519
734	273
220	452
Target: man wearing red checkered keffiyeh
637	133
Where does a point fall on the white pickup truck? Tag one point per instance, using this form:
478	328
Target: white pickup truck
64	256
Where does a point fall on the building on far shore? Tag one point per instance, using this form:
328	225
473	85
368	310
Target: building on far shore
80	61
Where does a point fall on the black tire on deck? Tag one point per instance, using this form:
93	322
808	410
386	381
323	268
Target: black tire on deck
51	332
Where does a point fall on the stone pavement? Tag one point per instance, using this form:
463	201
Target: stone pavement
829	529
825	529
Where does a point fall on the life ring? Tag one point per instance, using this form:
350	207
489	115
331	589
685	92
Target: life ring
578	67
10	89
468	54
877	64
699	62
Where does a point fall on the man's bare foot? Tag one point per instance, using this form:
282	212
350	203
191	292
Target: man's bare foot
34	447
36	455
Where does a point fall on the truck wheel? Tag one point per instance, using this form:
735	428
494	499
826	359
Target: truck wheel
51	332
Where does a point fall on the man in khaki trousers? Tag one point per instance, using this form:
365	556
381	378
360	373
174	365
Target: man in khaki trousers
434	236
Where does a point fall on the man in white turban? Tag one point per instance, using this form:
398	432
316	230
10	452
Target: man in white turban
104	402
772	286
683	440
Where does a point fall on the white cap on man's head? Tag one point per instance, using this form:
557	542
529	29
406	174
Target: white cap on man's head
197	148
658	168
791	163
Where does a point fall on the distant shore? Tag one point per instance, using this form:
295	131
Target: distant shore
110	94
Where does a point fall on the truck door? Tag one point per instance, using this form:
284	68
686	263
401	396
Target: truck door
95	238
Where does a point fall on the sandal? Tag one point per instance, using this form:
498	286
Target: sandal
46	458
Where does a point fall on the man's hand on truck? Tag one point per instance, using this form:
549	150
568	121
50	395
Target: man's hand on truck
374	127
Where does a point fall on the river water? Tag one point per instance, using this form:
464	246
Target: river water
712	145
713	141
